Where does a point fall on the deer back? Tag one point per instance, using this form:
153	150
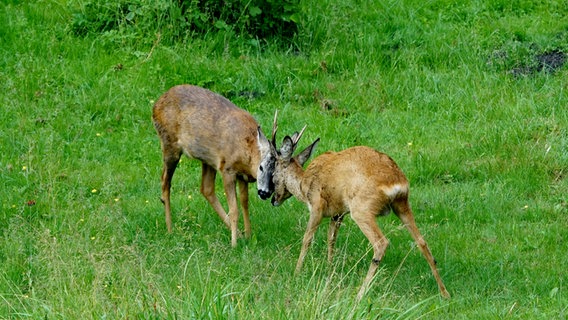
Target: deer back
353	175
208	127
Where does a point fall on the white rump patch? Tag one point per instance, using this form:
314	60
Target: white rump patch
395	190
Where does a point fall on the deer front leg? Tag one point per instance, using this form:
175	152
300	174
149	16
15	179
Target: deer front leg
229	183
208	190
313	223
243	195
334	225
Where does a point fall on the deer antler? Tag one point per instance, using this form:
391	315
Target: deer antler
296	137
274	128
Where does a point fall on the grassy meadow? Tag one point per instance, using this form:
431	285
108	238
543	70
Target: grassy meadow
455	92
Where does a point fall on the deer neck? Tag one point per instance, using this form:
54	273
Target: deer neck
254	164
294	181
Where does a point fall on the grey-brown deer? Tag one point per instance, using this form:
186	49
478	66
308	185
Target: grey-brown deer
206	126
359	181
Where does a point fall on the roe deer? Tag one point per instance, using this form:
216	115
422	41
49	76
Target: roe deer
208	127
358	180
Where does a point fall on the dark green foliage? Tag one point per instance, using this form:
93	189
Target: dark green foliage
176	20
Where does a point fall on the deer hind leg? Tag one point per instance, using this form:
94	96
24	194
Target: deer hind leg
171	158
366	222
403	211
243	195
313	223
208	190
334	225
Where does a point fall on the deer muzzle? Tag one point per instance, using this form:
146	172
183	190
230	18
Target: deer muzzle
275	202
264	194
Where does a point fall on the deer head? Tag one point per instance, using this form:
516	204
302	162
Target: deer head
264	183
285	162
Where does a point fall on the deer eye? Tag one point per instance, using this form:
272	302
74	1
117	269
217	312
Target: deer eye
261	168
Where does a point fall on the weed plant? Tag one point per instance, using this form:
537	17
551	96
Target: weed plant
448	89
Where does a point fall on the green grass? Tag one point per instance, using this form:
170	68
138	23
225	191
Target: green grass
82	228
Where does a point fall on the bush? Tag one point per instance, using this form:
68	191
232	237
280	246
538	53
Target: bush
177	19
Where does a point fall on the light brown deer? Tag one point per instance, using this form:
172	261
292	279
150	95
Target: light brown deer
358	180
208	127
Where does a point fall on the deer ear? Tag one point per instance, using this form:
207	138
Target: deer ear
287	148
262	142
305	154
264	145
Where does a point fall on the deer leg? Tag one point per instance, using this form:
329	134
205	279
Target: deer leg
334	225
404	213
368	225
171	160
243	195
313	223
208	190
229	183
